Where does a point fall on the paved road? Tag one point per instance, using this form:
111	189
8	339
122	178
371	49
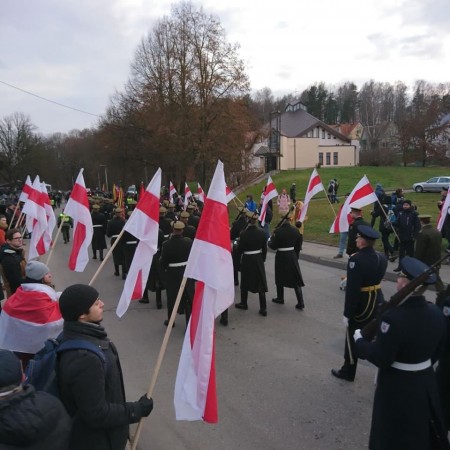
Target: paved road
273	374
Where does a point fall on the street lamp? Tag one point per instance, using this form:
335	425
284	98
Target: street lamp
106	176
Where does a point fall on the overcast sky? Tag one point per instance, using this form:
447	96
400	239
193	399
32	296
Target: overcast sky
78	52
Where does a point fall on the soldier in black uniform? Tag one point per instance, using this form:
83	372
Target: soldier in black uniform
165	223
130	244
194	215
170	214
252	246
287	241
239	225
363	295
356	215
99	224
115	226
174	257
189	230
406	409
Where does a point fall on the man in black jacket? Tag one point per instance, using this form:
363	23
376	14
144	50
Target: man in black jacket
12	261
91	389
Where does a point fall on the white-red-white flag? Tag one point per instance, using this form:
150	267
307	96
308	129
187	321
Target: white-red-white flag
270	192
445	210
26	189
36	220
51	219
362	195
172	192
187	195
143	224
200	193
77	207
314	186
210	263
230	194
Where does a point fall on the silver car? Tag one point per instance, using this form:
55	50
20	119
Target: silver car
434	184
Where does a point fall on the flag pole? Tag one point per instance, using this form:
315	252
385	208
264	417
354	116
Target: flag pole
386	217
161	354
106	258
14	216
331	206
54	243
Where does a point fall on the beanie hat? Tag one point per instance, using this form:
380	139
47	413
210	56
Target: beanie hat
76	300
10	369
36	270
407	201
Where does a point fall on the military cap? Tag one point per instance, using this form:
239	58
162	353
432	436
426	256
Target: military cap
368	232
162	210
118	210
241	209
178	225
95	206
171	205
412	268
424	216
252	215
184	215
354	208
166	203
190	206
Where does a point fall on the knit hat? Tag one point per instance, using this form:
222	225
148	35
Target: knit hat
407	201
36	270
10	369
76	300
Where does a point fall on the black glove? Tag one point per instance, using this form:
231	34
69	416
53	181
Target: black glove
145	406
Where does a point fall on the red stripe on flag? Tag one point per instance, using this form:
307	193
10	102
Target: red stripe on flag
314	182
269	188
137	291
79	237
149	205
196	307
40	246
362	192
211	410
79	194
214	225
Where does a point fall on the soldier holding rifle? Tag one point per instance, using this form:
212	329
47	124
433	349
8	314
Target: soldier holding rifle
406	410
365	270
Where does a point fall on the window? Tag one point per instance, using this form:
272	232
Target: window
317	131
335	158
328	159
321	158
323	134
328	136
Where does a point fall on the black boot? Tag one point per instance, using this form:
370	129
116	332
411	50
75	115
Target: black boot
262	304
144	298
280	295
101	255
299	294
243	303
236	278
158	298
95	255
224	318
116	270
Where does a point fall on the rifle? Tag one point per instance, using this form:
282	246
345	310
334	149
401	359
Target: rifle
284	218
369	331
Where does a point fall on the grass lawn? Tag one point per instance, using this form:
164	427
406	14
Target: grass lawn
321	213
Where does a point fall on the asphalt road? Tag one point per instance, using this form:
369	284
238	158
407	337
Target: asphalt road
273	373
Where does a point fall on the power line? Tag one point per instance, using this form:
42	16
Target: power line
48	100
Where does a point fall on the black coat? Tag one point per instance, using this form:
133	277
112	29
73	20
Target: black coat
156	276
93	392
115	226
287	269
408	225
253	272
13	264
31	420
405	401
352	232
130	244
99	224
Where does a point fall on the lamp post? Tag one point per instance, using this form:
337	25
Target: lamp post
106	176
274	138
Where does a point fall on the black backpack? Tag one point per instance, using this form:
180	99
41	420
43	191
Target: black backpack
41	370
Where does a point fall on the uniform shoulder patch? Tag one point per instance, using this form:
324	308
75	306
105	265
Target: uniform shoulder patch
446	311
384	327
351	264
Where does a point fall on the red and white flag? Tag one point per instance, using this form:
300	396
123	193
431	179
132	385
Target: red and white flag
270	192
362	195
29	317
36	220
51	219
172	192
77	207
26	190
314	186
443	213
143	224
230	194
210	263
187	195
200	193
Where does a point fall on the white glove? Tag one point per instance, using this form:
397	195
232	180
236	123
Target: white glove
345	321
357	335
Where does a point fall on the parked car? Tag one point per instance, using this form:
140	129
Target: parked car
434	184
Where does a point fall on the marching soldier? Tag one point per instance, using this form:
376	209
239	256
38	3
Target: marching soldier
189	230
239	225
287	242
115	226
170	214
174	257
365	270
99	224
194	215
164	223
356	221
253	248
67	224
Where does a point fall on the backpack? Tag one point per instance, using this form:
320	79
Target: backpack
41	371
391	219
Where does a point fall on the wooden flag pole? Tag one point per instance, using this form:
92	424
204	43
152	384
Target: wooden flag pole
13	216
331	206
386	217
161	354
54	243
106	258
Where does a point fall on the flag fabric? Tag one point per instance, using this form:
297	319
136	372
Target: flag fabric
143	224
29	317
26	190
443	213
201	193
187	195
141	190
36	219
230	194
314	186
51	219
120	198
210	264
77	207
114	192
270	192
172	192
362	195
